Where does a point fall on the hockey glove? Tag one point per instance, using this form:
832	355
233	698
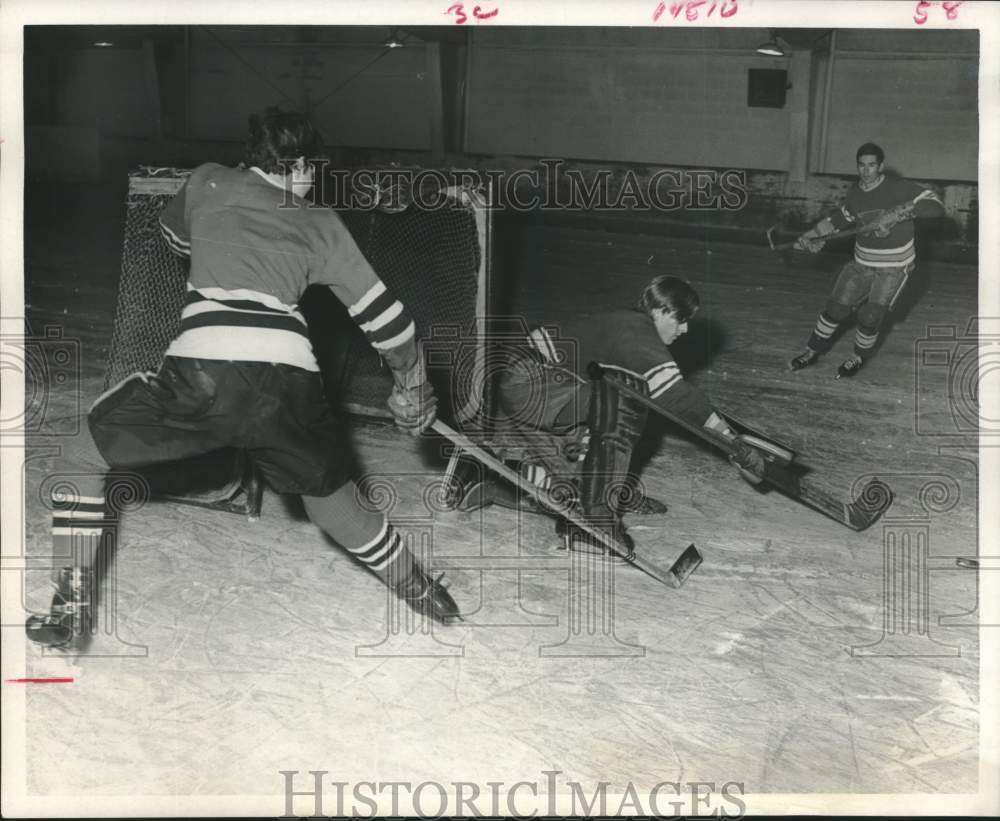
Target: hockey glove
412	401
748	461
811	240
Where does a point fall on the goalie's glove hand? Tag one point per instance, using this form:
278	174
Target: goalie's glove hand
412	401
748	460
893	217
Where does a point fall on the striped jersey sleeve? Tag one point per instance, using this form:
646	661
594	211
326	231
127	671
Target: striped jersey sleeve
638	349
385	321
382	317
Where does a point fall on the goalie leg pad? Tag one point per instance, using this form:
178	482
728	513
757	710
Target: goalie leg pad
616	423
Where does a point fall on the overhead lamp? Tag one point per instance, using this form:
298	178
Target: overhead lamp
772	48
103	44
394	41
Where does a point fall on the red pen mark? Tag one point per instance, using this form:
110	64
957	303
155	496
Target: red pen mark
40	681
479	14
693	9
458	9
920	11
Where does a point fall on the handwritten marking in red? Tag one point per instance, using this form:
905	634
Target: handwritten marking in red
40	680
458	9
920	11
693	9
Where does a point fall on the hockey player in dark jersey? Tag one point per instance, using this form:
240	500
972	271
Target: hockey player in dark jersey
883	259
241	372
545	389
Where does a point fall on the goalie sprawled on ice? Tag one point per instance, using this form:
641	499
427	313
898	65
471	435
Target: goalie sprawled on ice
572	405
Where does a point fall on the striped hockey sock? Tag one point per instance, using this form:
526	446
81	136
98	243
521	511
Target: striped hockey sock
78	524
365	534
387	556
822	334
537	475
864	342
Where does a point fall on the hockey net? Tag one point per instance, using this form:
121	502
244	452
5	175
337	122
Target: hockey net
437	262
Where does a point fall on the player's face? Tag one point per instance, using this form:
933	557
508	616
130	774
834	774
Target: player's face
667	326
869	168
302	177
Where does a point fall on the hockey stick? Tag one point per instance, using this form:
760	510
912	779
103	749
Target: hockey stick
858	514
674	577
784	246
867	228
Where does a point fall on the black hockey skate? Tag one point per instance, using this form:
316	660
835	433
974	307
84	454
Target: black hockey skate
849	367
428	597
803	360
71	612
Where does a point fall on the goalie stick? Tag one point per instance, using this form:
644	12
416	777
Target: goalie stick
858	514
683	567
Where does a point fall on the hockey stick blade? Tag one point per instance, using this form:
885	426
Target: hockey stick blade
872	502
857	514
683	567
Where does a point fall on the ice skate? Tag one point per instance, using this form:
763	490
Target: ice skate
803	360
428	597
849	367
71	612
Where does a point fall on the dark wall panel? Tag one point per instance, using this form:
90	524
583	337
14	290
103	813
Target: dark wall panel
382	106
643	105
922	111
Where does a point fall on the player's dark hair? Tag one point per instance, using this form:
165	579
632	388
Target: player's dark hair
672	294
872	150
278	138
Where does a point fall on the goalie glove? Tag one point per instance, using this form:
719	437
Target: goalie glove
748	460
812	240
412	401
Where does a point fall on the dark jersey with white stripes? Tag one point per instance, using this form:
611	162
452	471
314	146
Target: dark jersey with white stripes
254	249
626	340
896	249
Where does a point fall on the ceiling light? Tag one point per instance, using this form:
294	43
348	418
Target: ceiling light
394	41
104	44
771	48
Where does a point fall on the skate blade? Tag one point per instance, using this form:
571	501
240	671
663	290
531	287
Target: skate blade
686	564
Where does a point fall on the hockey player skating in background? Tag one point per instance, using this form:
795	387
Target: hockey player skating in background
241	372
883	259
593	425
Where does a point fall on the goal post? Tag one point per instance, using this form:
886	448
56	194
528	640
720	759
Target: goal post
437	262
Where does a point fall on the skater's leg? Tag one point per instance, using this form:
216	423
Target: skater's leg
888	284
81	538
373	541
852	287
